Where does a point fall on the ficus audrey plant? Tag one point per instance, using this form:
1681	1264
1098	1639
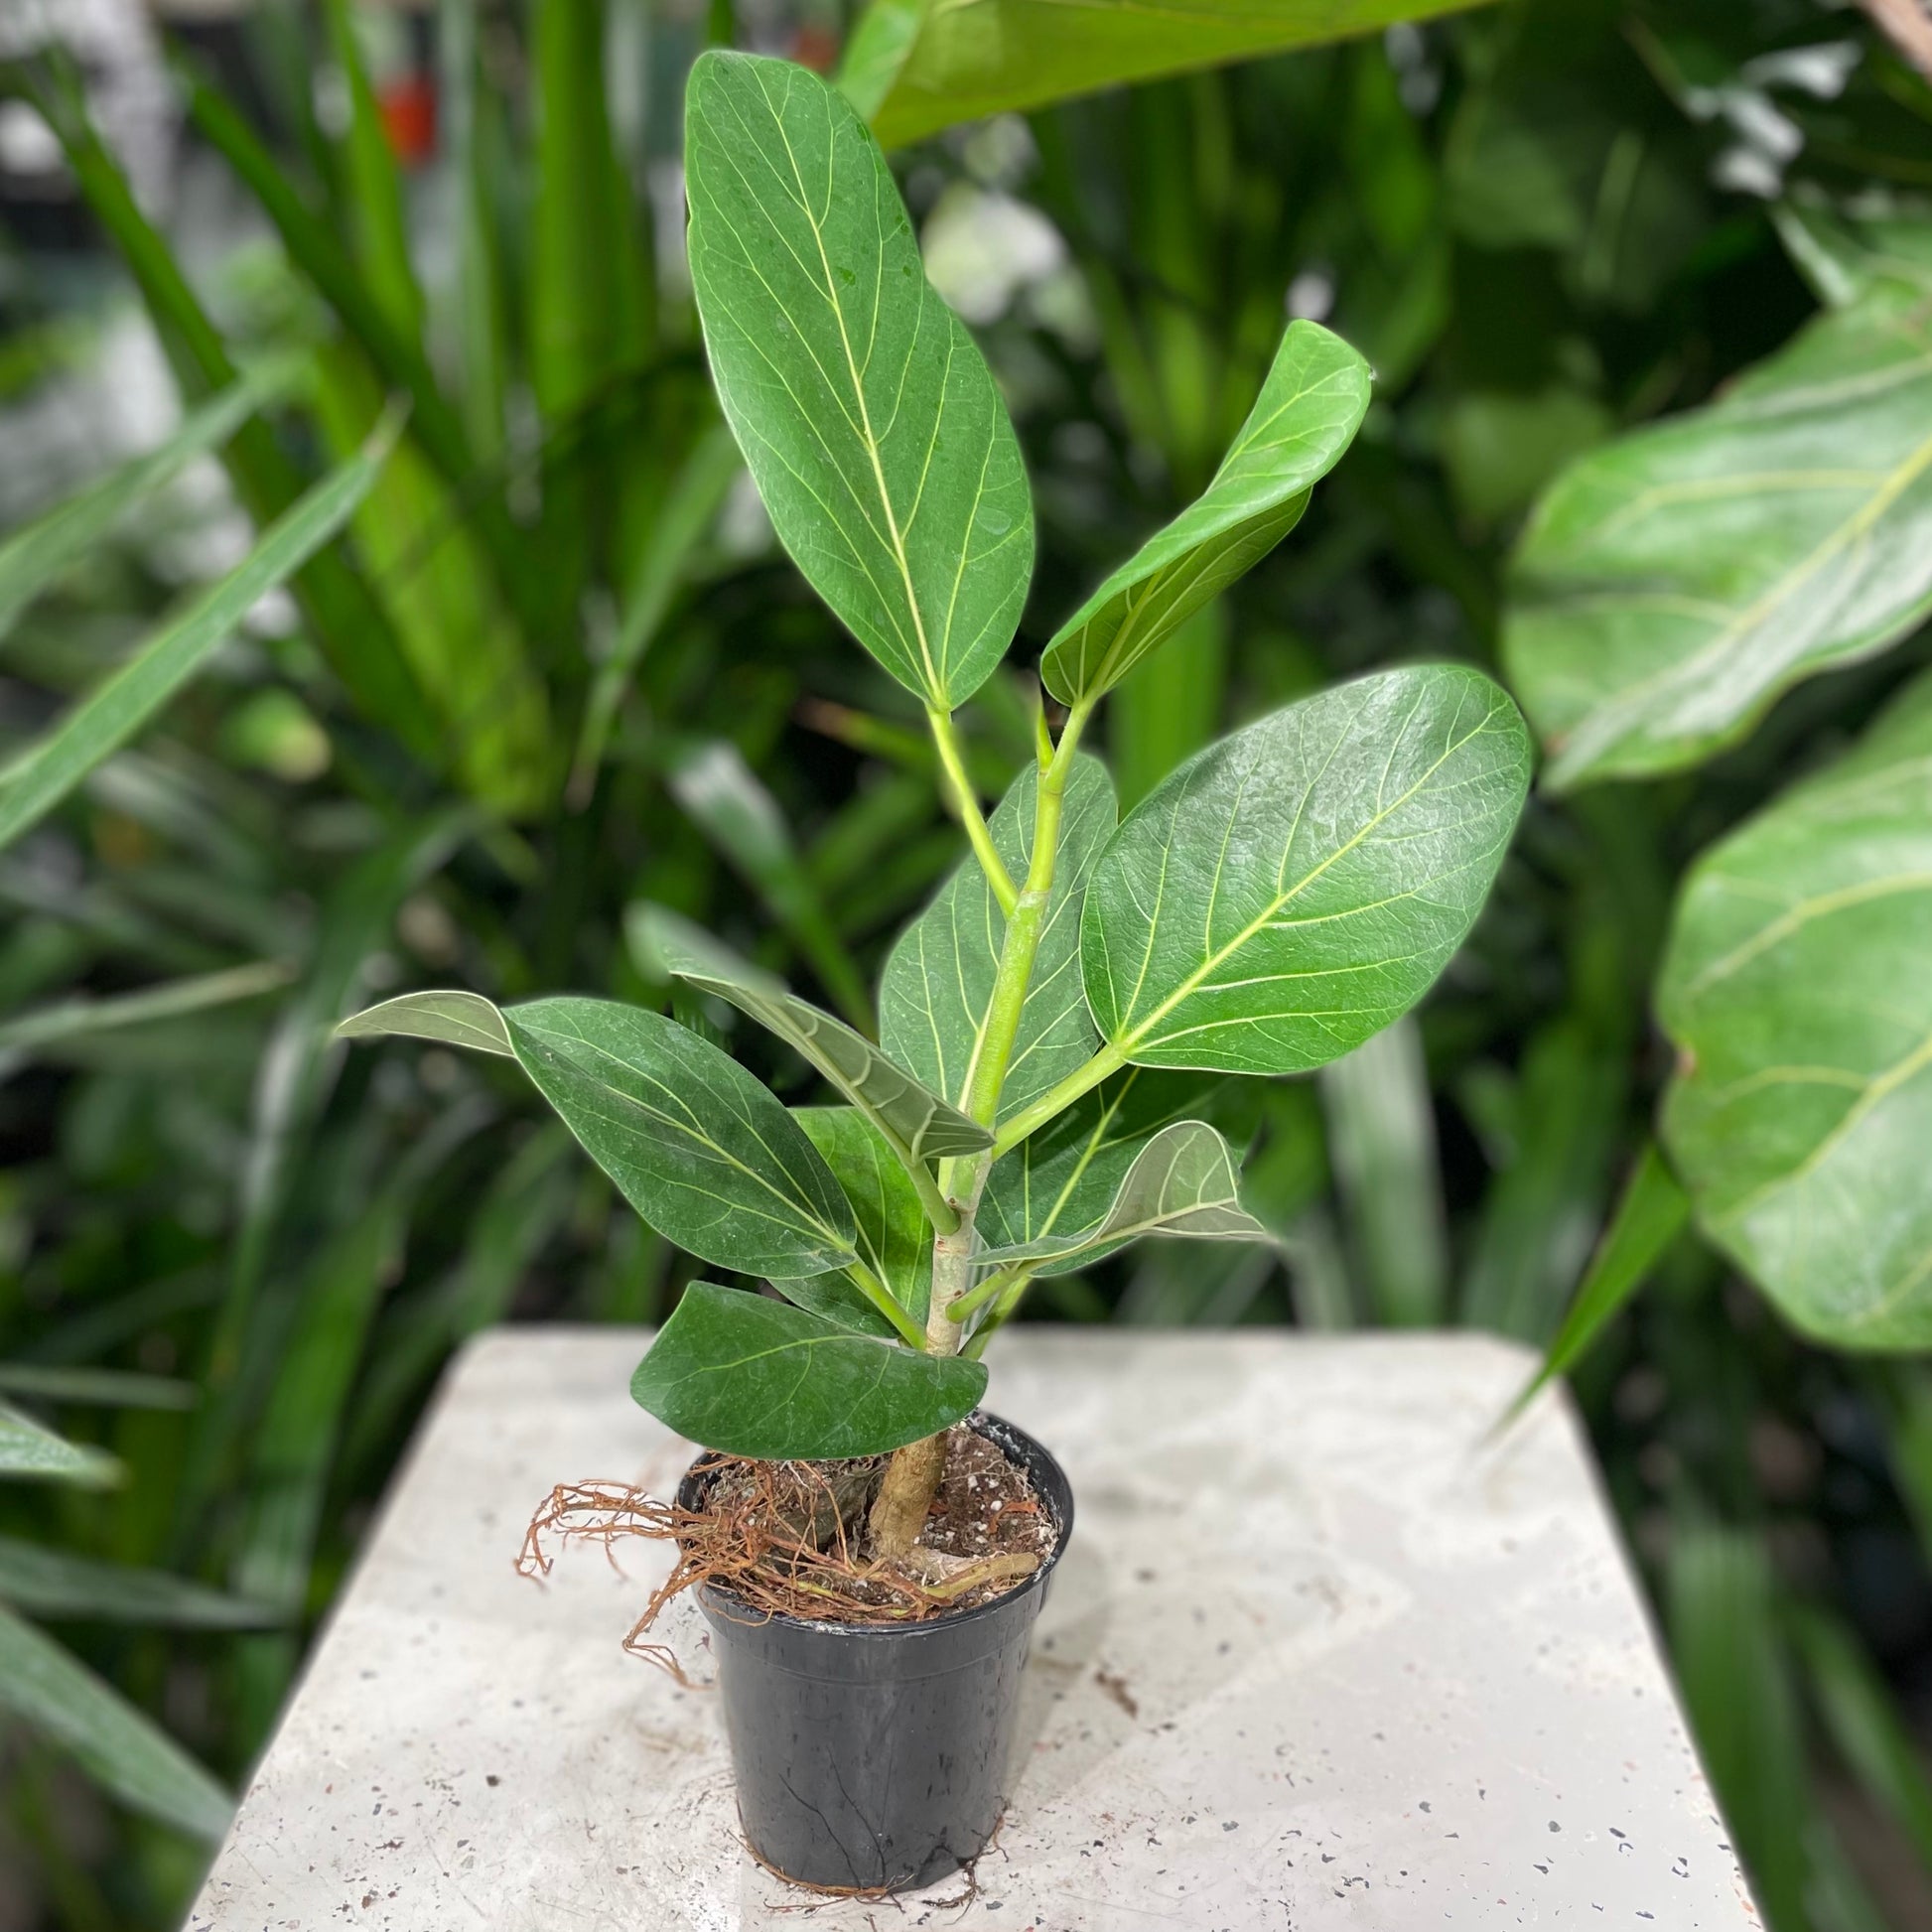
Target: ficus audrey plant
1052	1027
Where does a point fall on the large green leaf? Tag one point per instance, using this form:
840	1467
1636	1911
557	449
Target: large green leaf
914	67
918	1126
1673	583
121	1748
698	1147
1064	1179
56	1582
34	557
894	1238
1295	888
868	416
1307	415
751	1376
1182	1181
103	721
28	1451
1796	988
940	976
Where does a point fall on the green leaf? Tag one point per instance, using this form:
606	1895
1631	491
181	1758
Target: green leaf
120	1747
55	1582
1648	1218
87	1012
454	1018
1182	1182
34	557
1295	888
106	1388
27	1450
939	977
1673	583
1794	985
751	1376
103	721
1063	1180
695	1144
866	412
917	1125
894	1238
1307	415
914	67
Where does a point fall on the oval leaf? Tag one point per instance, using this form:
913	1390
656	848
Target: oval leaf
1796	988
917	1124
457	1019
698	1147
1182	1182
1295	888
1305	416
865	413
1675	582
749	1376
932	1000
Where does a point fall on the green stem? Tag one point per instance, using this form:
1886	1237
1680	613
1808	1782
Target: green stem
995	1283
881	1298
1017	1287
943	1215
1056	1100
952	761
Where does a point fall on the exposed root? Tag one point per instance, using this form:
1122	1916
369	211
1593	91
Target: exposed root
774	1537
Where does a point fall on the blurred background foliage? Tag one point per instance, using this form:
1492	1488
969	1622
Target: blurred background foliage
555	665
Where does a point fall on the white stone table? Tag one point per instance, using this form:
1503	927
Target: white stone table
1316	1658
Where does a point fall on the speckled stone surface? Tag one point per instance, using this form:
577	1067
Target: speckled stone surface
1317	1658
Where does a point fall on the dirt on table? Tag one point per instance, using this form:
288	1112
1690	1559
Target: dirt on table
790	1538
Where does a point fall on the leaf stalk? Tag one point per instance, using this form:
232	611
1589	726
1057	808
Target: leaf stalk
965	801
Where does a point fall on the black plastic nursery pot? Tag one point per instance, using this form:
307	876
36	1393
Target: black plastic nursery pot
877	1756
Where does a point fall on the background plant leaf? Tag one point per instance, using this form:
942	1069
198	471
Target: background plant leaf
752	1376
28	1451
940	976
1297	886
866	412
1673	583
1307	415
1795	988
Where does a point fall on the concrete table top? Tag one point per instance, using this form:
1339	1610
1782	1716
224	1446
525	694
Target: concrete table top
1316	1658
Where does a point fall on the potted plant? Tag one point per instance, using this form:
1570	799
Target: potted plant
1054	1028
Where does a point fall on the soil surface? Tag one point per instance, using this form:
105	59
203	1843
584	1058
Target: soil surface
985	1508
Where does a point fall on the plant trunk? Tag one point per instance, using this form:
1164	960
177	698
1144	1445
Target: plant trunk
914	1475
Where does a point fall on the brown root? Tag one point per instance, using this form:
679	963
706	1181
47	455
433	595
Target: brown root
774	1537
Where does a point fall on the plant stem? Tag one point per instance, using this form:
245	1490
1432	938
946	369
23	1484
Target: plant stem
1056	1100
952	761
1021	1276
881	1296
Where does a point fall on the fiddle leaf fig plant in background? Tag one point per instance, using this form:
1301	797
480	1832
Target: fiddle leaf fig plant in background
1055	1025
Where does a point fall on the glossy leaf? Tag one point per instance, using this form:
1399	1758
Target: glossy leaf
34	557
1182	1181
1307	415
123	1748
939	977
1063	1180
455	1017
869	418
29	1451
1295	888
103	721
1795	987
752	1376
914	67
1673	583
894	1238
695	1144
59	1584
917	1123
